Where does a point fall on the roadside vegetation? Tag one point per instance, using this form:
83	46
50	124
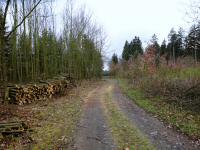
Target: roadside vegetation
171	92
125	134
184	120
164	79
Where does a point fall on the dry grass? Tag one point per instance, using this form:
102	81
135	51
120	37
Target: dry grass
53	122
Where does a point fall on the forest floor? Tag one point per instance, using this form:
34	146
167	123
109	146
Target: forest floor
94	116
53	121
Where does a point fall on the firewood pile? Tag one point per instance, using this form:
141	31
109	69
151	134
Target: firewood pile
26	94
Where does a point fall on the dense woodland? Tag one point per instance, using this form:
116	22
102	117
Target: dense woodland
31	47
179	45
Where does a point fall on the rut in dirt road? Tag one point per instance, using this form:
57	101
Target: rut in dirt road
162	137
93	132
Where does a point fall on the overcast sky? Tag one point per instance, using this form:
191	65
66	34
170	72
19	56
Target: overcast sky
124	19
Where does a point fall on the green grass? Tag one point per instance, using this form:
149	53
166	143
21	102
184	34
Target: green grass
182	73
190	72
125	134
183	120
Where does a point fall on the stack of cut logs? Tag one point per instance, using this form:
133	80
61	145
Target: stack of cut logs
26	94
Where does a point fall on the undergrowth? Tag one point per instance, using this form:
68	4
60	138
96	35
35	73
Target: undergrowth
184	120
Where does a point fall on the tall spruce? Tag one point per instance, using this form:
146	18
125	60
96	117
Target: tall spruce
192	41
125	53
115	59
156	46
132	49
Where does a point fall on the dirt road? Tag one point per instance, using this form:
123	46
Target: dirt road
94	133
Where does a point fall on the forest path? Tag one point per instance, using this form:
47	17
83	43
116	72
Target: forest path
94	133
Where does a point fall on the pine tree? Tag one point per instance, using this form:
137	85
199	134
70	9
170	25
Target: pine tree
125	53
154	44
114	59
192	41
136	47
133	49
172	44
163	48
180	42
